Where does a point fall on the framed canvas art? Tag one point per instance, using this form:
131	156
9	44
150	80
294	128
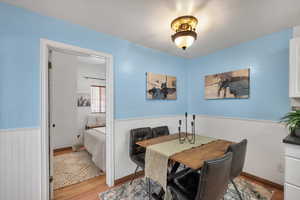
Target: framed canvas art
161	87
233	85
83	100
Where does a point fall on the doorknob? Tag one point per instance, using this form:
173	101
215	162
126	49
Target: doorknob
53	125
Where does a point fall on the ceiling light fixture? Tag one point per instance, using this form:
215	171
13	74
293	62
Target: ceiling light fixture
185	31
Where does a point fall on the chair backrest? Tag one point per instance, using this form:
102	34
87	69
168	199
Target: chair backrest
238	158
214	178
160	131
137	135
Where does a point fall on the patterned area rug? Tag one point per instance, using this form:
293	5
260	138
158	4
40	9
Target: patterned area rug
73	168
138	191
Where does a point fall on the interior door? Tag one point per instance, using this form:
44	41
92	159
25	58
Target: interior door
62	104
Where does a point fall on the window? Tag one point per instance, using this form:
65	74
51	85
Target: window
98	99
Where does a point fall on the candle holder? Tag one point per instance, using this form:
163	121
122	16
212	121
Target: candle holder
181	136
192	139
185	136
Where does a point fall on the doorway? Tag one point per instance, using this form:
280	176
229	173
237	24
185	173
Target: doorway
73	102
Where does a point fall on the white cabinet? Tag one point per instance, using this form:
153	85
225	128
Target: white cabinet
291	192
294	76
292	175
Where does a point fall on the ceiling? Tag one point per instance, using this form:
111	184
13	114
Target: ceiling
222	23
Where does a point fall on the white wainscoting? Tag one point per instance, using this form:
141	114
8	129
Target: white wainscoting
265	153
20	164
20	150
123	165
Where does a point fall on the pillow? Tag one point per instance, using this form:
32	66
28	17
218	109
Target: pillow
91	120
100	120
96	120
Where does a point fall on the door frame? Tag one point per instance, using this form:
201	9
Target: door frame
45	46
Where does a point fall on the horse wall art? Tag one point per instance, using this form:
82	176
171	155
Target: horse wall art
234	85
161	86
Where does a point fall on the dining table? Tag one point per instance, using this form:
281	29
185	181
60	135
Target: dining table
192	158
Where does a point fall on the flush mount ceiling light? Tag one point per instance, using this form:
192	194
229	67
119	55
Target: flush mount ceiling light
185	31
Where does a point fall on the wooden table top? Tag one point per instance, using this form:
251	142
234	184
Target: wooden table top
195	157
157	140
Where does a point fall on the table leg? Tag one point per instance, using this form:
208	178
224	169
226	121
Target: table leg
160	195
149	188
174	168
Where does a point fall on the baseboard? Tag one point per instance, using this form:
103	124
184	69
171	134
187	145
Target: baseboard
262	180
128	178
62	149
245	174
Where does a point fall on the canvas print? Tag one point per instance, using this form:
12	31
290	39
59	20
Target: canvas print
161	86
83	100
234	84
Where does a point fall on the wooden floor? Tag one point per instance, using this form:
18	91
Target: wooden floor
90	189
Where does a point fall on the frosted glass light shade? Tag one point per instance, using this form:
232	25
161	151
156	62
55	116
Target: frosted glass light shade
184	39
184	42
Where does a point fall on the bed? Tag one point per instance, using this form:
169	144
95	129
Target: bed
94	143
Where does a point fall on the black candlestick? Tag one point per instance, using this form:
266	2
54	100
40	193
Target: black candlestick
186	115
192	139
181	139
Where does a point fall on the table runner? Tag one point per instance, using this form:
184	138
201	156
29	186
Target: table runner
157	156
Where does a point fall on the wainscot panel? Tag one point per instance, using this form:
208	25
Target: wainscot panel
20	165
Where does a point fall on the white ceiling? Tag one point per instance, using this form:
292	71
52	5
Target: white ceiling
222	23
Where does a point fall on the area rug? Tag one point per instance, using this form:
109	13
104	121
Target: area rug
74	167
138	191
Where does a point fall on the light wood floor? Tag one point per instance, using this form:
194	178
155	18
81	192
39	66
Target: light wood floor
90	189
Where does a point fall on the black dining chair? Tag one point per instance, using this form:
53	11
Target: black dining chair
209	184
238	160
136	152
160	131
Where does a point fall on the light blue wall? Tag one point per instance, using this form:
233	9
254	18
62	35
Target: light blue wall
267	58
20	35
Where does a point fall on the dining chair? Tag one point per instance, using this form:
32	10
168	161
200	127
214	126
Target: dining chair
136	152
209	184
238	159
160	131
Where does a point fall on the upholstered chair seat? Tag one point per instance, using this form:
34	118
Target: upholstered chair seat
160	131
136	152
238	160
139	160
210	184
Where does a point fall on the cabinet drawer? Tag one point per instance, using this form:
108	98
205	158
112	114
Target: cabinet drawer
292	150
292	168
291	192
